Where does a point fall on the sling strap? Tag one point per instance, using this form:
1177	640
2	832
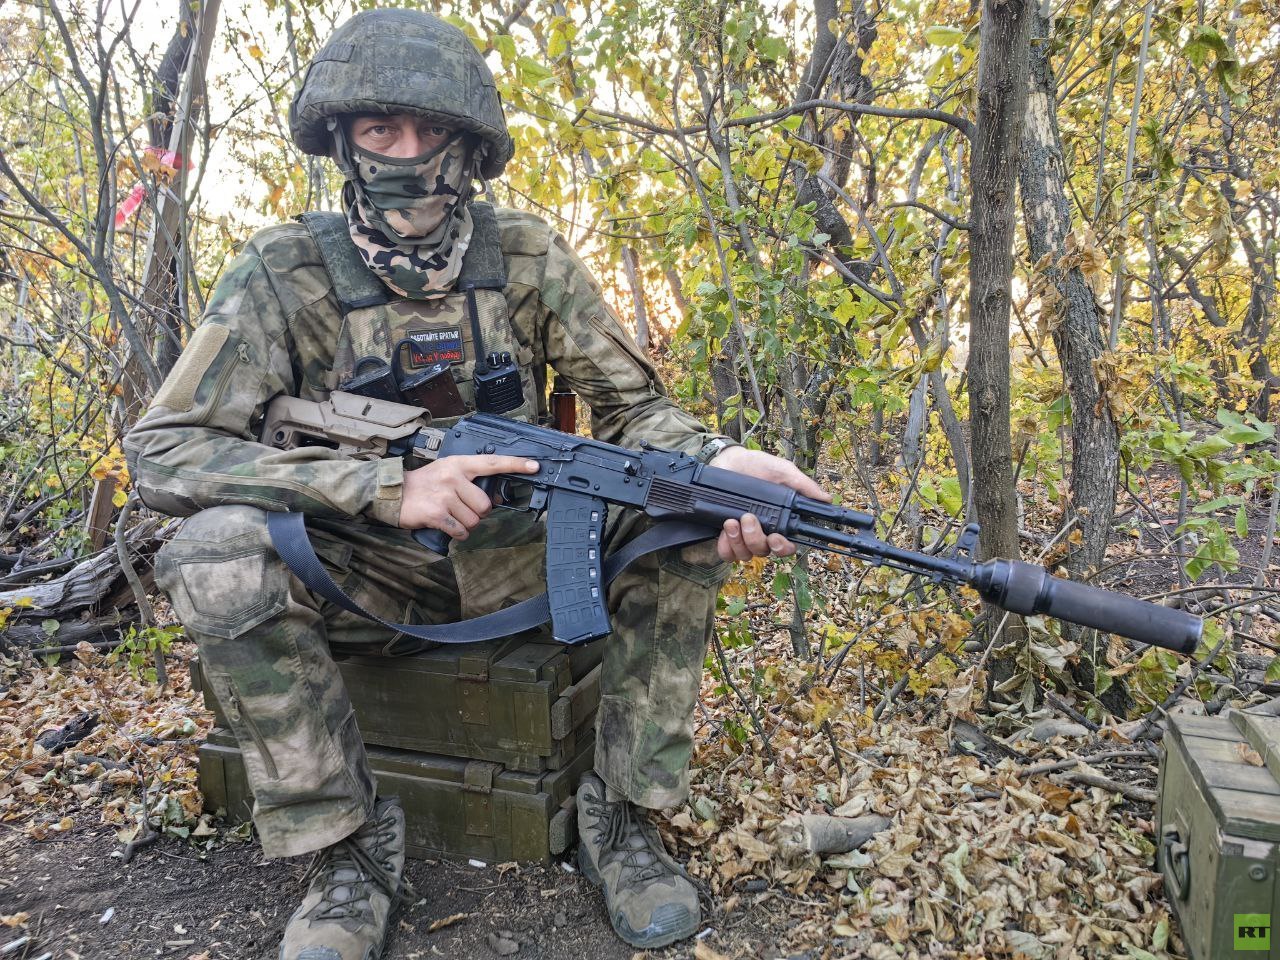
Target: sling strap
289	537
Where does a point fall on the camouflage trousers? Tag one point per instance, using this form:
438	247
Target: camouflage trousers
266	646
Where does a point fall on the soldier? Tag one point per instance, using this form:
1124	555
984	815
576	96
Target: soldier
420	270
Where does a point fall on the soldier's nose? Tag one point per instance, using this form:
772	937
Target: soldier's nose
411	144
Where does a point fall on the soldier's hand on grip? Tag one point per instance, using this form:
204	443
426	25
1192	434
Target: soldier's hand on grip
442	494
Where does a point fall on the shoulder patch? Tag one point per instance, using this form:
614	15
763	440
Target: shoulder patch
178	392
522	234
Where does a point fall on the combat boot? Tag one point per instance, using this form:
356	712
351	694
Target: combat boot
354	886
651	901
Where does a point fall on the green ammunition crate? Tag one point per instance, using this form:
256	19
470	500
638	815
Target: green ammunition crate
526	704
1219	820
459	809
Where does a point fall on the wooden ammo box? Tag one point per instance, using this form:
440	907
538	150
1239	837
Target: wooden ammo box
526	704
1219	821
453	807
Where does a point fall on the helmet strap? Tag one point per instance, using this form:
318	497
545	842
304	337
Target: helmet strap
341	148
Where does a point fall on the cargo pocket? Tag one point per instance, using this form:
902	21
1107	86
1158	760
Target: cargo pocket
223	589
502	562
245	727
698	563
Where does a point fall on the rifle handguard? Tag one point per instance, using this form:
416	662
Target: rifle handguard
1026	589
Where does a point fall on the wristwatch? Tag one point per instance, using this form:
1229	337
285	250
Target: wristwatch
713	447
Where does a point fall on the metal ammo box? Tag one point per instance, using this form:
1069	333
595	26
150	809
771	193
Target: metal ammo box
1219	832
484	744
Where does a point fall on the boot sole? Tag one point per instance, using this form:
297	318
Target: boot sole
641	939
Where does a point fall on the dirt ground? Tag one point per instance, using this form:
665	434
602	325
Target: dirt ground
232	905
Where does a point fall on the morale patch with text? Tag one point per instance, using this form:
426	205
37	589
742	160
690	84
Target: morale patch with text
435	346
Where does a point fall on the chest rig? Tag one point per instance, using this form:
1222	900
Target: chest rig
466	335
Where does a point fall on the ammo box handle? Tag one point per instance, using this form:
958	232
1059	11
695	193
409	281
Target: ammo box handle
1176	861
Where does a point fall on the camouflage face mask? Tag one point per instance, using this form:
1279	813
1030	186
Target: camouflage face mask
409	218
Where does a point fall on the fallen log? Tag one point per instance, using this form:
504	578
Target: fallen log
92	601
101	632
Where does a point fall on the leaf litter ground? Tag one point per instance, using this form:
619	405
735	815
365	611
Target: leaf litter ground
978	862
998	847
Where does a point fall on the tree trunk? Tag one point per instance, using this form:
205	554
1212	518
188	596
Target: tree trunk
1002	95
168	230
1255	329
1075	321
631	264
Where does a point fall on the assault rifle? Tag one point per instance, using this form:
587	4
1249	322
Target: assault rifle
579	478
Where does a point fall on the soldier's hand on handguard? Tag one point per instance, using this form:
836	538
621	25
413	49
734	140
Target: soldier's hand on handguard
442	496
744	539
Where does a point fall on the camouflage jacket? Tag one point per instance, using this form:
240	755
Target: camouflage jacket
273	325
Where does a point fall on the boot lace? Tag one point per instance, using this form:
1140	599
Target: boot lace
347	865
643	858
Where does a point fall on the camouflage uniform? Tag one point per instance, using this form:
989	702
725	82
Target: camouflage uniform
273	326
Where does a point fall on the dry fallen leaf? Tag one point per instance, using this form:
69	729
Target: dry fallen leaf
15	919
703	952
448	921
1058	796
1249	755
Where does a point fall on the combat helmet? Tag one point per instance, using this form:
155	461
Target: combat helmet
400	61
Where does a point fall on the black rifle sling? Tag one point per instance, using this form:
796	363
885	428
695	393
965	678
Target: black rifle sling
289	537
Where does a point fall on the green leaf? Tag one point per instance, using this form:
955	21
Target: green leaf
1273	671
1160	936
781	583
1209	447
1211	38
1242	522
50	627
949	495
1102	682
943	36
1245	434
1058	412
533	71
804	597
1216	504
772	48
505	44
